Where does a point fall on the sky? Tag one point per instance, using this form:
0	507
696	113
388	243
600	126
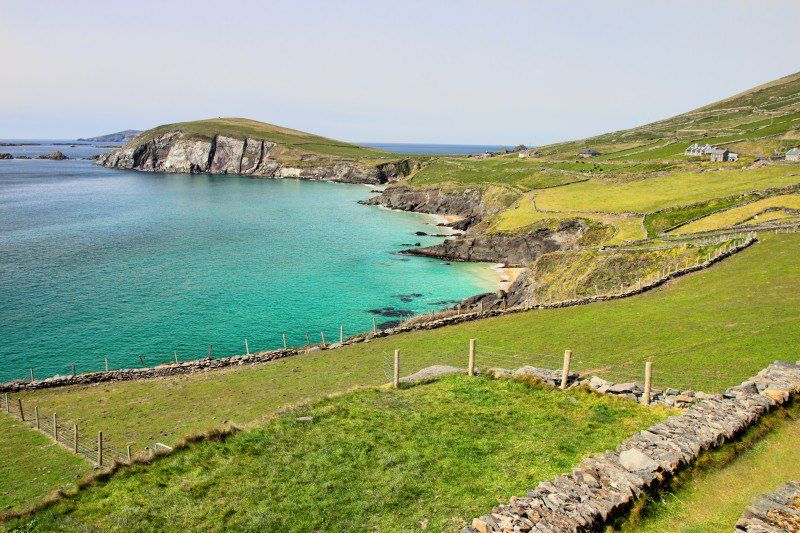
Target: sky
462	72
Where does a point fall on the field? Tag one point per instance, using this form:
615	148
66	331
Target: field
744	213
432	455
662	191
712	496
32	465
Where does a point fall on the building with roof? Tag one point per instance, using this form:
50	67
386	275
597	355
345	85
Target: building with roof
589	153
793	155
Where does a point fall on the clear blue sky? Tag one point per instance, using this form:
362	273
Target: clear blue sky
409	71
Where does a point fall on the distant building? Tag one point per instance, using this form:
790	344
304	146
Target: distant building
793	155
530	152
697	150
733	156
589	153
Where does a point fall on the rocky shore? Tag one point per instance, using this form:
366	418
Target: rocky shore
175	151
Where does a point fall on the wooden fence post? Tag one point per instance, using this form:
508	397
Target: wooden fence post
21	412
7	407
99	448
175	354
396	380
36	416
480	307
75	437
32	375
55	427
374	325
210	350
106	364
284	341
471	365
141	360
323	337
128	451
648	374
565	371
341	334
246	348
308	339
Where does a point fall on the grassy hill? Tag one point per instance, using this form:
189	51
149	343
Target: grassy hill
289	139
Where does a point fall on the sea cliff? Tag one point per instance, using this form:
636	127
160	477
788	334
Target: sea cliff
176	151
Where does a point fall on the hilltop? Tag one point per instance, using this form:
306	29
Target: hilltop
249	147
119	137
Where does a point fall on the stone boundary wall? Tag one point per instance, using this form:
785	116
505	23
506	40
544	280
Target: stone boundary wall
201	365
606	485
774	512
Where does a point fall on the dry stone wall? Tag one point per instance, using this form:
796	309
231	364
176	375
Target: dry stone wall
603	486
776	512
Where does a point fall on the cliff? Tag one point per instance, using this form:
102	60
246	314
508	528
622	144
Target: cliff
239	146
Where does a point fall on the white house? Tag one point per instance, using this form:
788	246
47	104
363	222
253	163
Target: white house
793	155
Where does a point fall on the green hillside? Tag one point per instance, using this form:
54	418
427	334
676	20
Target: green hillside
288	139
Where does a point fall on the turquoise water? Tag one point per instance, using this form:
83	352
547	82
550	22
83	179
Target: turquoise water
101	263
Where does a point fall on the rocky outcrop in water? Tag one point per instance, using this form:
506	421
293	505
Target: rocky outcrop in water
56	156
6	155
175	151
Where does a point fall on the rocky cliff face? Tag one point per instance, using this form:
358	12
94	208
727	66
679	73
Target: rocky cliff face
176	152
513	249
466	202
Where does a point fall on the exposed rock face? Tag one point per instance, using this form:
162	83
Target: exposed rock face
57	156
176	152
467	202
6	155
514	249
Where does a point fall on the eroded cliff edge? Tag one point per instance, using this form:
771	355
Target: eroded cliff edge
176	151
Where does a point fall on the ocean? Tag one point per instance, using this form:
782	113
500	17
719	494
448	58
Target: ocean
98	263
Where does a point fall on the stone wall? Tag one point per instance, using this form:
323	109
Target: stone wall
778	511
602	487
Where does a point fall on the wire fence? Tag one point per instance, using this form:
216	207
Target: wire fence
65	432
628	370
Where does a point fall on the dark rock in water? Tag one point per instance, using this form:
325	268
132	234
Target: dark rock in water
391	312
417	244
408	297
420	233
6	155
23	157
56	156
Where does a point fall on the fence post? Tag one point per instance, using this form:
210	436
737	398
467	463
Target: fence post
32	375
374	325
648	374
106	364
8	410
21	412
141	360
284	341
55	427
565	371
396	380
323	337
341	334
308	339
75	437
128	451
480	307
246	348
210	348
99	448
36	416
175	354
471	367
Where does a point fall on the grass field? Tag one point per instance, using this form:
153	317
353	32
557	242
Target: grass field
432	455
626	227
712	496
740	214
659	192
31	465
